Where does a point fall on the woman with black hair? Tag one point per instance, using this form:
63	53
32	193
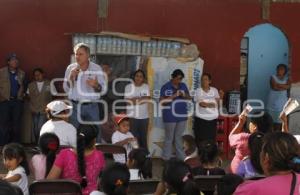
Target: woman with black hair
250	165
173	97
82	165
238	139
42	163
138	94
280	162
206	110
278	95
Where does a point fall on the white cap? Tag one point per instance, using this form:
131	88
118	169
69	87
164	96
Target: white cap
58	106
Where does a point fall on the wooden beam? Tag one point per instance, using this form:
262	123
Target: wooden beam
286	1
103	8
265	9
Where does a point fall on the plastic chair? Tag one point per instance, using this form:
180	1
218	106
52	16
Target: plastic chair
112	149
55	187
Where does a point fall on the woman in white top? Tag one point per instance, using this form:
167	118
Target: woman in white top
206	111
138	94
278	96
57	112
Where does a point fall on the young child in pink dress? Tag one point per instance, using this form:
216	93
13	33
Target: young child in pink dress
42	163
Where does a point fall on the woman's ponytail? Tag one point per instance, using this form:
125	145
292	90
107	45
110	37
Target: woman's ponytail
80	159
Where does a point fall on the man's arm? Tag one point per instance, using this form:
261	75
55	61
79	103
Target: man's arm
67	82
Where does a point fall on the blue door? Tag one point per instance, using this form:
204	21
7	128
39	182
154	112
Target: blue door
268	47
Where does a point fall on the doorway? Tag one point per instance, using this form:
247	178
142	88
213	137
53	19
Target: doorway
263	47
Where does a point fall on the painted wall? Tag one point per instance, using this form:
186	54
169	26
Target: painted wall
36	29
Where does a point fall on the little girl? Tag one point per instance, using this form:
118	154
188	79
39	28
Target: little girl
209	158
15	161
139	164
42	163
114	180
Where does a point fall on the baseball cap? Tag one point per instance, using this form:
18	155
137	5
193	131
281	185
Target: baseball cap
120	117
11	56
58	106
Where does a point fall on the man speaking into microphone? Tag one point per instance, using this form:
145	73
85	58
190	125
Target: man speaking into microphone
84	83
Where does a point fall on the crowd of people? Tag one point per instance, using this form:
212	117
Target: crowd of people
67	131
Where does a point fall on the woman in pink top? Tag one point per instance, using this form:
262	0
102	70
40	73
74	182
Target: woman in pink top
279	160
42	163
260	121
82	165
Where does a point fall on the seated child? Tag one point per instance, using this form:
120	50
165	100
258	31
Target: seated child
123	137
139	164
177	177
210	161
114	180
42	163
209	158
191	151
16	162
82	165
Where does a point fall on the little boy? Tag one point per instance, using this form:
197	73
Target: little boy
123	137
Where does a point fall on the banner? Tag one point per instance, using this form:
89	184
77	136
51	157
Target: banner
159	72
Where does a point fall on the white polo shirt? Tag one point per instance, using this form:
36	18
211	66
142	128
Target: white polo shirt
208	97
81	90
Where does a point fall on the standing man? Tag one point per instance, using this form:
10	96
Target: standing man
84	82
174	96
11	100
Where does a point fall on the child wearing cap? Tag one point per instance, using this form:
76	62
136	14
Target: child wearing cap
123	137
57	112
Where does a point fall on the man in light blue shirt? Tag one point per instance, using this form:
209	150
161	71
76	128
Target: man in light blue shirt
84	83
